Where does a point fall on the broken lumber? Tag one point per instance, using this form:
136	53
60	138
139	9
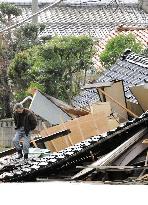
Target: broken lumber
130	112
108	158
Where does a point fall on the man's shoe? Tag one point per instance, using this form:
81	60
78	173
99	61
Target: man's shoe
25	156
20	154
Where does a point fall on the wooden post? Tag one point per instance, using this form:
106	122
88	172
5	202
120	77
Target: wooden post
130	112
146	159
81	132
46	131
68	136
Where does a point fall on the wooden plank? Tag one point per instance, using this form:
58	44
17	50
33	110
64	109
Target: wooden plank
67	141
107	167
145	141
99	106
131	153
81	128
97	85
141	94
116	96
135	108
118	103
113	123
108	158
46	131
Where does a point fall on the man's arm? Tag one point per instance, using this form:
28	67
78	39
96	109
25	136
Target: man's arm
15	120
33	121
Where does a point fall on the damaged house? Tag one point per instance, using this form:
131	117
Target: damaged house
118	154
103	136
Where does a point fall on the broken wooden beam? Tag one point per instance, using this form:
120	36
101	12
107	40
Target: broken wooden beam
118	103
97	85
108	158
107	167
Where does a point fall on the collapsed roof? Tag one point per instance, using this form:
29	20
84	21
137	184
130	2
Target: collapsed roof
17	170
131	68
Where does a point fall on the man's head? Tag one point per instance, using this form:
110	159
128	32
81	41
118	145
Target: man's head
18	108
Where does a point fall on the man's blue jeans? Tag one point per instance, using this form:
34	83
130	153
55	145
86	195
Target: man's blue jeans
20	133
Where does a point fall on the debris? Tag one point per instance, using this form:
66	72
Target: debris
143	178
46	109
108	159
75	155
80	129
141	94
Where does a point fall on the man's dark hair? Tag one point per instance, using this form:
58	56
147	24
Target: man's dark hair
18	106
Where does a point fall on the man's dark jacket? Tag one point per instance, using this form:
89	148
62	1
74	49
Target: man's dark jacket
29	120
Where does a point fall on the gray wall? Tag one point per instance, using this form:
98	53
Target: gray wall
7	131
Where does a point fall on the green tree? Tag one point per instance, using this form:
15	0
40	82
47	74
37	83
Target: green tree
7	12
145	52
23	38
27	36
116	46
54	65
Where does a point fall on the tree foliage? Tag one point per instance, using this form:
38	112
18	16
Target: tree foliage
27	36
145	52
8	11
116	46
54	65
15	40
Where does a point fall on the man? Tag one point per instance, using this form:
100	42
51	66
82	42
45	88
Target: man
25	121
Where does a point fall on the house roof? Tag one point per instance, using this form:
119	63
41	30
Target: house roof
140	33
131	68
73	2
97	21
12	169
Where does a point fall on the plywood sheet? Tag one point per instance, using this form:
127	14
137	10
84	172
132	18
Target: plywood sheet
81	128
116	91
135	108
99	106
113	123
141	94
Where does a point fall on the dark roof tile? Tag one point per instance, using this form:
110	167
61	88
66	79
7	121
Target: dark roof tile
129	70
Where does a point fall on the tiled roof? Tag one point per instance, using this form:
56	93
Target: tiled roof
97	21
12	169
132	69
73	2
141	34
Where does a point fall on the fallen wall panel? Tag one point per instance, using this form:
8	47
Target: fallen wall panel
116	91
46	109
81	128
141	94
